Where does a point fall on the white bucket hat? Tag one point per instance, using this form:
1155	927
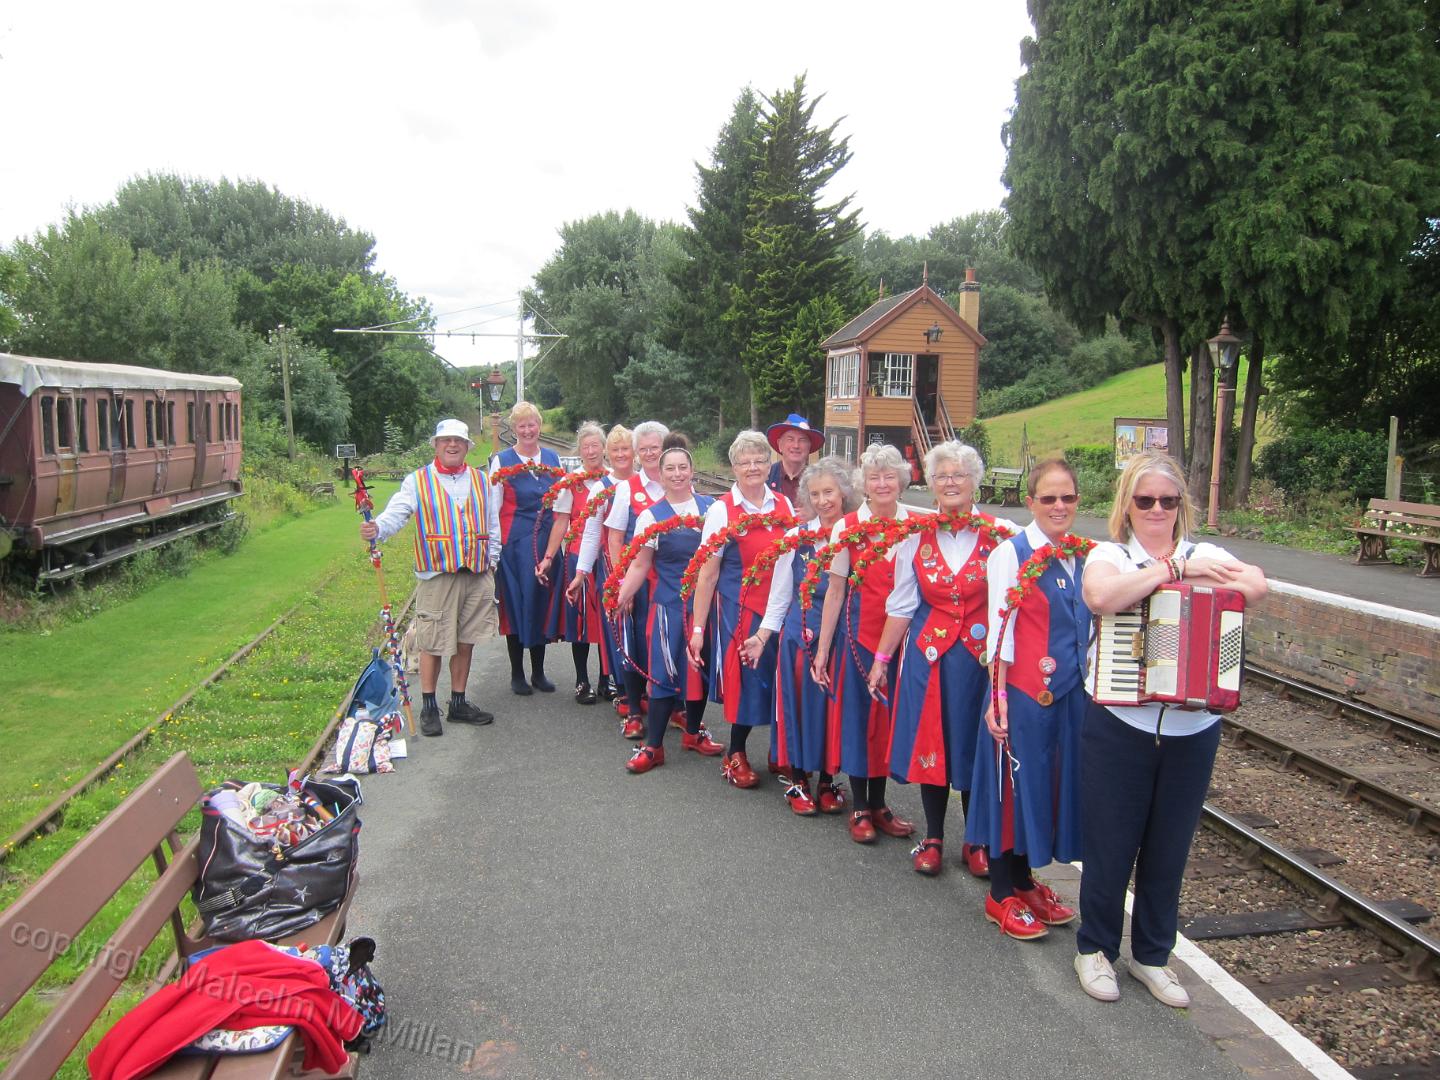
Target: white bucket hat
452	429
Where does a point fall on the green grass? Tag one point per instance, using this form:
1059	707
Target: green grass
1087	418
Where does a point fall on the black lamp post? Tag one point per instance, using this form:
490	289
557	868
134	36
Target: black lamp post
1224	353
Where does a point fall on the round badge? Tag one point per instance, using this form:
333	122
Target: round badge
808	635
932	654
1046	698
978	631
926	551
1047	665
640	497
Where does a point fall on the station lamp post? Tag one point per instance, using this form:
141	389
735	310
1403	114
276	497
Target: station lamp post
1224	353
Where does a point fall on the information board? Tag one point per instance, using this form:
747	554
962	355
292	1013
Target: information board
1135	434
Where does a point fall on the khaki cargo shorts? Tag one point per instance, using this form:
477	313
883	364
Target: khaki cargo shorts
451	608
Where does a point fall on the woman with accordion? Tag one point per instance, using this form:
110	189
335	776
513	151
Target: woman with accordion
1144	769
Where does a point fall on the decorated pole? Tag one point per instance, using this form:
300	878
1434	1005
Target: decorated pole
366	506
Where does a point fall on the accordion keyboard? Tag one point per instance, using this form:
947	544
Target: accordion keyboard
1119	653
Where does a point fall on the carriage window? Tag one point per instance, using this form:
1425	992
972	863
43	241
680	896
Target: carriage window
149	423
129	424
82	431
102	421
209	421
47	425
160	423
170	422
190	422
229	420
65	424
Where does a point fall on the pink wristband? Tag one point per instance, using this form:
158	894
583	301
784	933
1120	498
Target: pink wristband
1002	695
884	658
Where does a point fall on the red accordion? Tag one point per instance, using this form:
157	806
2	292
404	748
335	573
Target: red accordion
1183	645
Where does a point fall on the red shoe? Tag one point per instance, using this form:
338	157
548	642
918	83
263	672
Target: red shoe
632	728
890	825
927	858
862	828
622	707
800	801
646	758
1014	918
830	799
736	769
976	859
677	719
701	743
1046	905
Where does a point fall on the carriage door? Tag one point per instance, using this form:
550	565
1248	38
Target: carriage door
117	436
197	435
158	437
67	456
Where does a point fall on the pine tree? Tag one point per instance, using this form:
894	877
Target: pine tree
394	436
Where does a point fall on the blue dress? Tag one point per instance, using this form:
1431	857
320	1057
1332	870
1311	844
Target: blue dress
670	672
523	600
800	705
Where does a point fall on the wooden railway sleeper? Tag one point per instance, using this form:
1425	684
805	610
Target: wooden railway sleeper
1417	965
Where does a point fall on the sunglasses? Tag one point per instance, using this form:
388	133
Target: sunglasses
1146	502
1051	500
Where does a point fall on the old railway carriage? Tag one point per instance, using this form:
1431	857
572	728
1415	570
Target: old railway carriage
99	461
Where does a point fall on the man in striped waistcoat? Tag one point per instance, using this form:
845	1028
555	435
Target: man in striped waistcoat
457	546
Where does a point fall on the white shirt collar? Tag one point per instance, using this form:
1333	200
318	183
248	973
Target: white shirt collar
1139	556
766	504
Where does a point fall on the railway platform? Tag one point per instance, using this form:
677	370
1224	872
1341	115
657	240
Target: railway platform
543	914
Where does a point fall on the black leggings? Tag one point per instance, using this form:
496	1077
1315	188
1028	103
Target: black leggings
517	655
658	720
867	792
1009	872
580	653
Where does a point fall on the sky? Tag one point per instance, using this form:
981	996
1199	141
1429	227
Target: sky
462	134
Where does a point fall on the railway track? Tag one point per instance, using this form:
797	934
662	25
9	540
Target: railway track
54	812
1337	705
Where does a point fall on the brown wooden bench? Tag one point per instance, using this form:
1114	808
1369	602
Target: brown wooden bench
1002	485
326	487
51	914
1387	520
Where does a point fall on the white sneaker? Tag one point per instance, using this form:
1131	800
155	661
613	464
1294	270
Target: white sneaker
1161	982
1097	977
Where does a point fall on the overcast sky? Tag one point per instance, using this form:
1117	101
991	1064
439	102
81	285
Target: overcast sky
463	133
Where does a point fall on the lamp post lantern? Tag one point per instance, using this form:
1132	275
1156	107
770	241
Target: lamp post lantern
1224	353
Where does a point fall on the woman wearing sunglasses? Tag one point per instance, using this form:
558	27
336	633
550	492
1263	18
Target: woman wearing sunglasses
1025	807
1144	770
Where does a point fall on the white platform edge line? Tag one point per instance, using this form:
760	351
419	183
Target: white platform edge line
1369	607
1309	1056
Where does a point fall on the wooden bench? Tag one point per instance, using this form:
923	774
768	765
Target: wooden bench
1002	486
51	914
325	488
1387	520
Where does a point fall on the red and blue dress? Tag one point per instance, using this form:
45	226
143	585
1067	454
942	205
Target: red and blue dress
632	498
1028	800
941	587
747	693
800	705
578	623
667	619
857	729
523	600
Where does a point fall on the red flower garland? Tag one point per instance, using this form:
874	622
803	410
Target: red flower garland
632	549
592	509
767	559
738	527
900	530
859	533
572	483
1027	580
535	468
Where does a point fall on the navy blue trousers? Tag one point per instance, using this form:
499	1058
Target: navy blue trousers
1140	804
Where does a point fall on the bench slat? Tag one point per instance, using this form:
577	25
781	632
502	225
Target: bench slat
82	882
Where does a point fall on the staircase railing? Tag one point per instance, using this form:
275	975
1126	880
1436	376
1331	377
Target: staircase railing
919	431
942	415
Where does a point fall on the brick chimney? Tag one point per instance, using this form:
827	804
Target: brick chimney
970	299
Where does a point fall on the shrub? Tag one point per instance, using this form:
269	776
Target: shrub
1328	461
975	435
1097	458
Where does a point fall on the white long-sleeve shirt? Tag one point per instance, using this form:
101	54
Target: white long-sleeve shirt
782	585
406	502
1002	571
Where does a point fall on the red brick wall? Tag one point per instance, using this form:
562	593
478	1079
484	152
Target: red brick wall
1380	655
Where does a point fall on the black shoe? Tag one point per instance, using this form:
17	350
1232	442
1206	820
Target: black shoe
430	720
465	713
583	694
607	688
518	685
541	683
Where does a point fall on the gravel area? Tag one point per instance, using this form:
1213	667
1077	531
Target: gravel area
1390	1023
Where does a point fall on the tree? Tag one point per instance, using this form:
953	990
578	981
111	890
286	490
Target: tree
12	280
1171	163
794	250
320	405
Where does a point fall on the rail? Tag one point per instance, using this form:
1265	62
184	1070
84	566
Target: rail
1425	734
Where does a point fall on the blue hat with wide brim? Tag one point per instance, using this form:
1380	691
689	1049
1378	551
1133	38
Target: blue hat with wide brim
794	422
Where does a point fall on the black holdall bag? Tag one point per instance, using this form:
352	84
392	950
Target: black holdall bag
254	888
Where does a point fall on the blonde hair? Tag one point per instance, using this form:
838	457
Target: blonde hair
523	409
1141	465
882	457
751	442
620	434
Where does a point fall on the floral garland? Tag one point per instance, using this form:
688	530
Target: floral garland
738	527
611	595
572	483
766	560
1027	580
859	533
598	501
900	530
534	468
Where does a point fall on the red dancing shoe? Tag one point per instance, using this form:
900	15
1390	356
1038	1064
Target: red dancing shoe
830	799
633	728
622	707
1046	905
736	769
976	859
701	743
677	719
646	758
926	858
1014	918
890	825
862	827
800	802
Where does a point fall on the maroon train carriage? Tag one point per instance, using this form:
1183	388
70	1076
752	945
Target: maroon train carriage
100	461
